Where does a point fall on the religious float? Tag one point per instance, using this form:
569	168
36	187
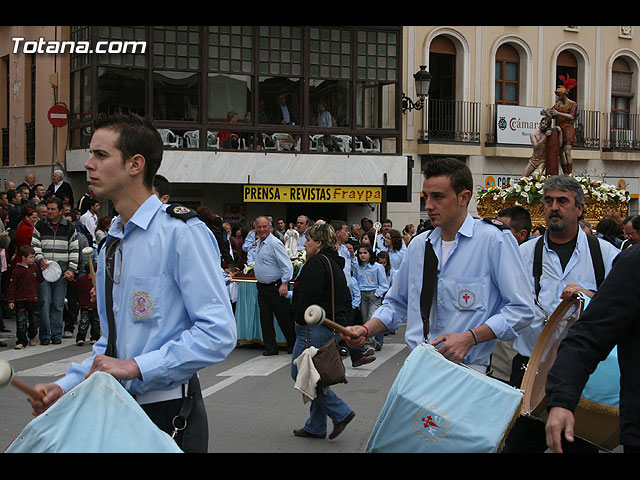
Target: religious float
601	199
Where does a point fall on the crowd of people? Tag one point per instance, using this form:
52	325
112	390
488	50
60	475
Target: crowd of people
44	230
444	278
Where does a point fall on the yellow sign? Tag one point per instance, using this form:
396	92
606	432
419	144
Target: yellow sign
311	194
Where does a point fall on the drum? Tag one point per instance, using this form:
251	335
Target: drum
52	273
597	415
97	416
437	406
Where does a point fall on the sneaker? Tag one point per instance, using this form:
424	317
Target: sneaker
67	334
369	351
80	343
18	346
45	342
378	346
363	361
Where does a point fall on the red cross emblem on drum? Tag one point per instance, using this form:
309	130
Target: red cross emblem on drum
431	424
466	299
141	305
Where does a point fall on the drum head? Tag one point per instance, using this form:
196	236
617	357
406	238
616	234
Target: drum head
543	356
52	273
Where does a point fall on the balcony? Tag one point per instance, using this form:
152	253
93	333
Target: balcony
623	134
451	121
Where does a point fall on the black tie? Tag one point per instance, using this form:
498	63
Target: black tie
430	272
112	247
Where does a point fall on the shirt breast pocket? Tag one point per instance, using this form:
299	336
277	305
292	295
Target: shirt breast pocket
146	299
470	295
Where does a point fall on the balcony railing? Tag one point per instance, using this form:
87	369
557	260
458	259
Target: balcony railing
623	133
451	121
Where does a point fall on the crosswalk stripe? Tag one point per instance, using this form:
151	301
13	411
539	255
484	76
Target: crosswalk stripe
388	351
10	355
54	369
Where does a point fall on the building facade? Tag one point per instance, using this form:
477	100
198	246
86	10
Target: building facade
490	83
309	120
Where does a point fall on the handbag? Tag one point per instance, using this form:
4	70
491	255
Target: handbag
327	359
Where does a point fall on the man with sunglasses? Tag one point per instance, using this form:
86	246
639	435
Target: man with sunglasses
162	301
571	262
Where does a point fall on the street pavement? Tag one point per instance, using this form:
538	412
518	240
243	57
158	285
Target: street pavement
251	402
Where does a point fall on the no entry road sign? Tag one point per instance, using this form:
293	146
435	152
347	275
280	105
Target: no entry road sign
58	115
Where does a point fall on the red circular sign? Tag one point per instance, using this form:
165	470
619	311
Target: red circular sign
58	115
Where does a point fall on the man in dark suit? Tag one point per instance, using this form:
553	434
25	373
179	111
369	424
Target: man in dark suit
60	188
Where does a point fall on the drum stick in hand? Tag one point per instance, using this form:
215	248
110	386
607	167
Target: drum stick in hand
315	315
6	377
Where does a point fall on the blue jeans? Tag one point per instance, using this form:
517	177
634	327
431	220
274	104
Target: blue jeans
325	404
52	296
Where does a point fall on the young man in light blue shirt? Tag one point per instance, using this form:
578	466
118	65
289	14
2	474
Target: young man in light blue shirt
171	311
477	297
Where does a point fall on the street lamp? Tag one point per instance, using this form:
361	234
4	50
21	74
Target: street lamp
422	80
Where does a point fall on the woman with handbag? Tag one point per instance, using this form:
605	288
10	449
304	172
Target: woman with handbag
317	285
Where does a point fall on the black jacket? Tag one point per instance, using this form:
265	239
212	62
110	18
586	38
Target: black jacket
313	287
611	318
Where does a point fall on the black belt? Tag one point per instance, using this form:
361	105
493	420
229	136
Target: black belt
272	284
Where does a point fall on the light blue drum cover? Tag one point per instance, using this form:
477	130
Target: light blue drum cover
97	416
603	385
437	406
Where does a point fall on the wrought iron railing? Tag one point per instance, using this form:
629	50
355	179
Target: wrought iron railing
451	121
623	132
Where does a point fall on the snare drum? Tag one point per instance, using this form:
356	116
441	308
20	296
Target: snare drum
597	415
437	406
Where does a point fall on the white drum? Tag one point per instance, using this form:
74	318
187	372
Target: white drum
53	272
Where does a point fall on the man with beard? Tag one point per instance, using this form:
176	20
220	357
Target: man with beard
537	162
570	261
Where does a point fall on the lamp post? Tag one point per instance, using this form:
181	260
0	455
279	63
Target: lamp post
422	80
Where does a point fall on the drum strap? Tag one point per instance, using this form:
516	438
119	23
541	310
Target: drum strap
596	260
429	275
112	244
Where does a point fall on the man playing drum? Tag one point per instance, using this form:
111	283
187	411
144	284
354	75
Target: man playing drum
475	299
163	305
570	262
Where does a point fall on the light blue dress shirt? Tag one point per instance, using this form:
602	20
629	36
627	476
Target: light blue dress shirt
553	280
171	307
248	246
302	238
395	258
272	262
480	283
371	277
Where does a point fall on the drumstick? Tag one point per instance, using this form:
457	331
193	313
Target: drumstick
6	377
315	315
87	252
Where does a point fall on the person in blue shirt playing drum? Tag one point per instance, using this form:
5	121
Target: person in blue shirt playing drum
170	310
479	292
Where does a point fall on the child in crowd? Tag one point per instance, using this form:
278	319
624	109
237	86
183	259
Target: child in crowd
23	296
88	309
373	284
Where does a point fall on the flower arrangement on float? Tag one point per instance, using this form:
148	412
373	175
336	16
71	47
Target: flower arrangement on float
600	198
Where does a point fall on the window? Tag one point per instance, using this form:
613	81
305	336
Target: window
507	75
284	88
621	94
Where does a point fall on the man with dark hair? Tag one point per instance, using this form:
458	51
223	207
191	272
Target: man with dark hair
162	188
518	219
631	230
163	305
450	295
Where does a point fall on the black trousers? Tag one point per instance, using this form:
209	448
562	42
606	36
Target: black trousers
528	434
195	436
271	303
